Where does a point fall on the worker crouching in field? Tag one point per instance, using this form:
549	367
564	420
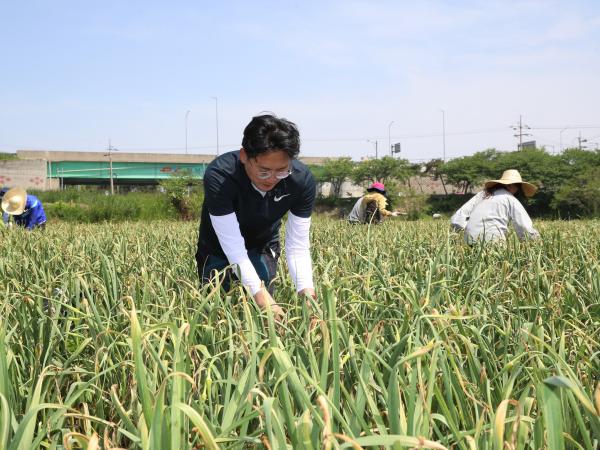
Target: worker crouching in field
26	209
488	214
371	208
246	194
5	216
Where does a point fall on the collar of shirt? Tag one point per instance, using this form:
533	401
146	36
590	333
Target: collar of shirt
263	193
501	191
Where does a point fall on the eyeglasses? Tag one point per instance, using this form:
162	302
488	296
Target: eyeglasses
266	174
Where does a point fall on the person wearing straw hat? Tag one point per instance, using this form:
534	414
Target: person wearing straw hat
371	207
488	214
26	209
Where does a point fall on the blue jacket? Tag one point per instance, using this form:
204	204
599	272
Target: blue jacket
32	216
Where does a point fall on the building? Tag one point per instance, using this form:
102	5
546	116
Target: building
56	169
45	169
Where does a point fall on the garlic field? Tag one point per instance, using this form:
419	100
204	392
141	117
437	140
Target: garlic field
415	341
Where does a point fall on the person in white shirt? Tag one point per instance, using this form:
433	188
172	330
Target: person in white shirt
488	214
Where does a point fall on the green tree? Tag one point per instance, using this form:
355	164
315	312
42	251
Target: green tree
535	166
434	169
179	188
575	161
336	171
581	195
382	170
468	171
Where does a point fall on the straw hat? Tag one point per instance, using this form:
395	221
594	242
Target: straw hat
14	200
513	176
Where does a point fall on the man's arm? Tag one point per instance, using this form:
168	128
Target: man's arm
218	196
297	238
230	237
297	250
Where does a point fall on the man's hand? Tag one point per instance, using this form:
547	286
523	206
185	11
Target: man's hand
278	312
308	291
264	300
311	302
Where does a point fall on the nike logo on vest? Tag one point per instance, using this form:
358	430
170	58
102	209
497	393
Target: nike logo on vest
280	197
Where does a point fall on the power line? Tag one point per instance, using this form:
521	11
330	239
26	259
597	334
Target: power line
520	129
412	136
572	127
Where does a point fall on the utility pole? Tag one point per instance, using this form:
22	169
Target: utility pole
560	149
186	129
376	144
390	139
444	132
520	134
217	120
110	166
581	147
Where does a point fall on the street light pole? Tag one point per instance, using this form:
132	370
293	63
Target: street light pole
186	129
560	138
444	132
217	120
390	139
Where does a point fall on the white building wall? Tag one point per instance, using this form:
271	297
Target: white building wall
421	185
28	174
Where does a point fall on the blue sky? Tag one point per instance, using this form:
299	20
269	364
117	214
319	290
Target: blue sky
75	74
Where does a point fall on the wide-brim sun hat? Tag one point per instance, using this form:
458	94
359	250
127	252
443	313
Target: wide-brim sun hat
513	176
14	200
377	187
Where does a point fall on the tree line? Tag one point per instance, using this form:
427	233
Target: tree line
569	182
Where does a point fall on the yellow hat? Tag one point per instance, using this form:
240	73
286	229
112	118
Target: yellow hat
14	201
513	176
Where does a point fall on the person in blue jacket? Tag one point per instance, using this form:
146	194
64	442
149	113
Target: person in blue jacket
5	216
26	209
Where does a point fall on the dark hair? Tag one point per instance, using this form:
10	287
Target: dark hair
377	190
269	133
490	191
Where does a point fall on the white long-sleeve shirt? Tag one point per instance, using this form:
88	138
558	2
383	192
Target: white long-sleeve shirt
297	244
489	218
